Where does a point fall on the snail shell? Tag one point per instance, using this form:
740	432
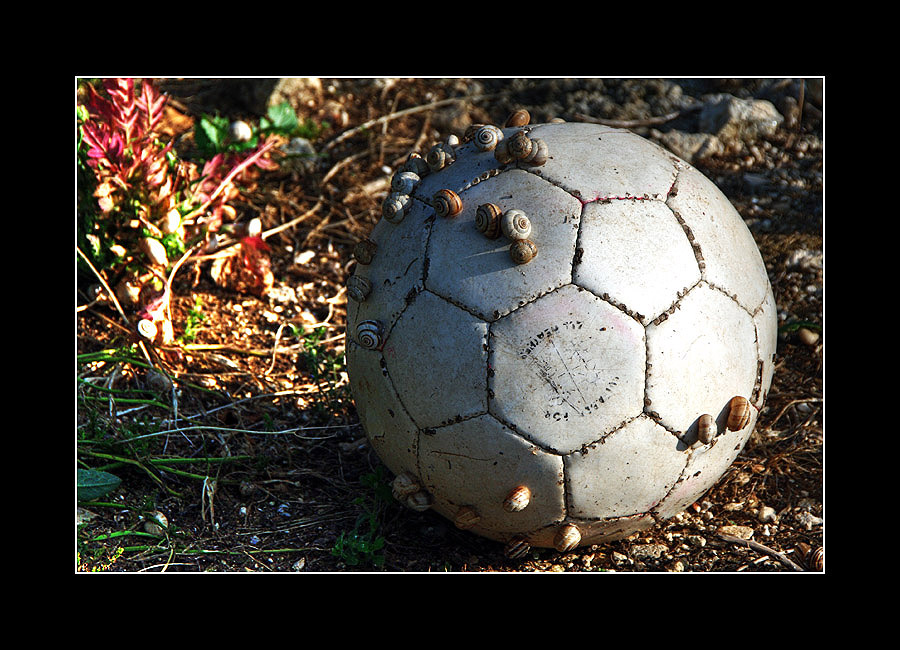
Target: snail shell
522	251
147	329
466	517
416	164
518	118
515	224
539	153
358	287
471	130
502	152
567	538
487	137
419	501
403	485
815	559
447	203
370	334
439	156
518	499
520	145
403	182
517	547
487	220
738	413
364	251
706	428
395	207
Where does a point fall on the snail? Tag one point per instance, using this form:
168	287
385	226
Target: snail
147	329
706	428
364	251
403	485
358	287
523	149
518	499
439	156
395	207
466	517
518	118
567	538
416	164
447	203
517	547
419	501
240	131
487	137
370	334
471	130
515	224
738	413
522	251
403	182
487	220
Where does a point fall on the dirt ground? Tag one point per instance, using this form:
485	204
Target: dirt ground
246	383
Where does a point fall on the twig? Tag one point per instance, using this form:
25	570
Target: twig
756	546
629	124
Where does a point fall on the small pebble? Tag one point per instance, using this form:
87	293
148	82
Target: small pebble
742	532
807	336
766	514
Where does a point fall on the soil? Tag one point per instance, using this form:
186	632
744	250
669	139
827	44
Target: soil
245	386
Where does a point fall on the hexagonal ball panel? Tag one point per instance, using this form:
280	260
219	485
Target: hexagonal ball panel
566	369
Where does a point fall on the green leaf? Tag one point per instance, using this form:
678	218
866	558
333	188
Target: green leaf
210	133
283	118
93	484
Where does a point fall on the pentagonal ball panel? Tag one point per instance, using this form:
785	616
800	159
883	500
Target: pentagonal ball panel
650	277
436	357
456	460
476	272
699	357
566	369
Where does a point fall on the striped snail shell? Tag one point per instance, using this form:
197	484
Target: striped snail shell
502	152
539	153
403	182
395	207
358	287
515	224
518	499
567	538
520	145
471	130
487	220
403	485
706	428
364	251
738	413
466	517
517	547
522	251
447	203
487	137
416	164
518	118
370	334
439	156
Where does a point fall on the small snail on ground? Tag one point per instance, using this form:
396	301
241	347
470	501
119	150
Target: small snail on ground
419	501
487	220
517	547
515	224
738	413
369	334
358	288
567	538
518	118
706	428
403	485
447	203
518	499
522	251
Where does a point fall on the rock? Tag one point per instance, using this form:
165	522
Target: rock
766	514
741	532
690	146
809	520
731	119
648	551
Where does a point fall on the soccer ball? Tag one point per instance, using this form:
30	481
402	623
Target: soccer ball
558	334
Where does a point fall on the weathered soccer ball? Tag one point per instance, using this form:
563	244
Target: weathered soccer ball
558	334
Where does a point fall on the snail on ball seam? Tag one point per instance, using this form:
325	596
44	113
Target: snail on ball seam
447	203
395	207
738	413
370	334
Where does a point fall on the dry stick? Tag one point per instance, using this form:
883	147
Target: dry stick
756	546
629	124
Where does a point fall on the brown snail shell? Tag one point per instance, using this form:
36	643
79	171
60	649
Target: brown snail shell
502	152
520	145
517	547
518	499
447	203
522	251
515	224
466	517
487	220
567	538
370	334
518	118
471	130
706	428
364	251
539	153
738	413
439	156
815	559
403	485
358	287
